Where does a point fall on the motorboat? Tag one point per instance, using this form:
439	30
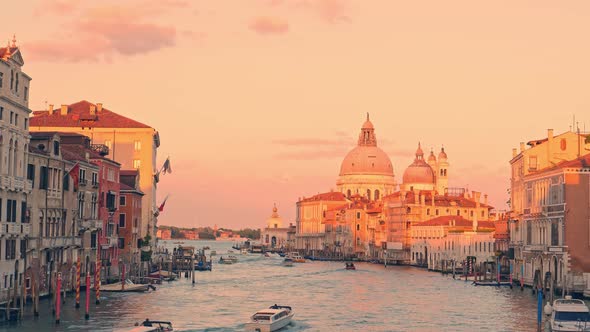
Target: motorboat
288	262
128	287
271	319
350	266
150	326
164	275
244	251
228	260
296	257
569	314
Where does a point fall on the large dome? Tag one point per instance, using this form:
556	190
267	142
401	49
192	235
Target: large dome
419	172
366	160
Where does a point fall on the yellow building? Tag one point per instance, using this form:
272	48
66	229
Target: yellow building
131	143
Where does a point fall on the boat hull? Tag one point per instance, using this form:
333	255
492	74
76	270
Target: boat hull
274	326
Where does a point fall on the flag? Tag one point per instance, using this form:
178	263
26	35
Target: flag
74	172
161	208
167	168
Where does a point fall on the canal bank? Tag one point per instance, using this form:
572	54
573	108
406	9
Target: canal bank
324	296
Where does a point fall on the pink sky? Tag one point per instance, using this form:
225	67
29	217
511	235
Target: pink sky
258	101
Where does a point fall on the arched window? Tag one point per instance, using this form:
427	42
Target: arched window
348	193
427	212
369	194
358	227
376	194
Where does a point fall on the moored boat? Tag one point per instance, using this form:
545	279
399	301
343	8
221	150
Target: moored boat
228	260
350	266
271	319
568	314
129	287
296	257
244	251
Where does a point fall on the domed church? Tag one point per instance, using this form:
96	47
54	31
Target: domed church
366	170
431	175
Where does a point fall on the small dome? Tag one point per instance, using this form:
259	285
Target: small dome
419	172
442	154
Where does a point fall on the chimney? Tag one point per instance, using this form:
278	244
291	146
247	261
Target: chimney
485	199
514	153
99	107
476	196
64	109
521	146
50	109
92	109
549	144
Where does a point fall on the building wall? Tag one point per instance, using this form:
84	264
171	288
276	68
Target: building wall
128	231
577	224
14	114
364	184
122	149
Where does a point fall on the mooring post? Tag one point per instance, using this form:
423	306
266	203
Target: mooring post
87	316
58	299
78	283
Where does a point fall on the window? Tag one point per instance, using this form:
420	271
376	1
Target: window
56	148
136	163
533	163
31	173
16	119
82	179
26	123
122	220
11	117
1	79
66	184
137	145
111	174
121	243
111	201
24	213
1	112
122	200
94	178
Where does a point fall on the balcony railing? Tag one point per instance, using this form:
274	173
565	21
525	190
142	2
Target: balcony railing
61	242
91	224
535	247
83	181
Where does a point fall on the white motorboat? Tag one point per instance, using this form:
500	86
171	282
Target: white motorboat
569	315
271	319
228	260
150	326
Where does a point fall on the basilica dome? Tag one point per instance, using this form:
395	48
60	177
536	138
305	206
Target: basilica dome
419	172
366	157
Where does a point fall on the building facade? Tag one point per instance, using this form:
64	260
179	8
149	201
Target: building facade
130	218
15	228
131	143
549	229
275	235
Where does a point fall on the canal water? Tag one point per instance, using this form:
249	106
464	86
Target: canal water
324	297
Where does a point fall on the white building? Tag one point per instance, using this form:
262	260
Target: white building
14	140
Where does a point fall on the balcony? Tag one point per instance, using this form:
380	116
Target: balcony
95	184
19	183
28	186
83	182
90	224
101	149
61	242
535	248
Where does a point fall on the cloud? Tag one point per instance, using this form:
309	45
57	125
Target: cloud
334	153
312	142
266	25
106	30
331	11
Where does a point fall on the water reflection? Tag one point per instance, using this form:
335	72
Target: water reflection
324	296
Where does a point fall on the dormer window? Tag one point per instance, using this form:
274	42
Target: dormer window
56	148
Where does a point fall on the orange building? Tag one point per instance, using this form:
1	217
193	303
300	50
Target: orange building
130	216
190	234
164	234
